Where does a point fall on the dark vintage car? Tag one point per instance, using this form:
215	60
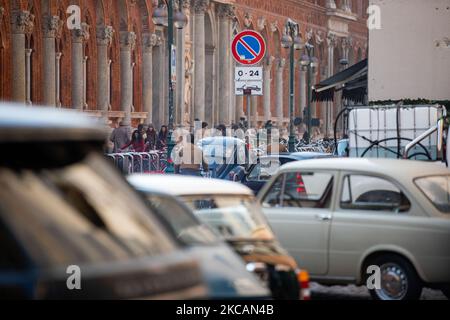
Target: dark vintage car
232	211
69	221
225	273
223	154
256	175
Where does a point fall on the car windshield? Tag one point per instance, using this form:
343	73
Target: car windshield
437	190
80	213
234	217
185	226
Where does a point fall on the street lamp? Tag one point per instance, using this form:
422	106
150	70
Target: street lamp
291	40
163	16
310	62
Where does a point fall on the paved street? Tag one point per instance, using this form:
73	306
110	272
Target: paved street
352	292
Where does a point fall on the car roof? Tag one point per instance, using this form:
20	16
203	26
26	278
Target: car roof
178	185
219	139
390	167
24	124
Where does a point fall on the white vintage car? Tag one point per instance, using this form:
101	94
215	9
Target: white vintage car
340	216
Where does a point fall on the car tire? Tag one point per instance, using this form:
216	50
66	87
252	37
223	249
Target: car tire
399	279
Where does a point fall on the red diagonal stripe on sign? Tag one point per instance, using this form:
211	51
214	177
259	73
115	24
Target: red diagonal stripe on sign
248	47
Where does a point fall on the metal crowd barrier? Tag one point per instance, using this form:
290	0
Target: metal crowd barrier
139	162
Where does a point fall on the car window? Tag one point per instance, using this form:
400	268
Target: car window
272	197
188	229
361	192
437	190
307	189
233	217
83	212
264	170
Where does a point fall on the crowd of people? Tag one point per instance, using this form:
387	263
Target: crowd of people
143	139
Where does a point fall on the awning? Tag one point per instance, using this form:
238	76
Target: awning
354	80
356	90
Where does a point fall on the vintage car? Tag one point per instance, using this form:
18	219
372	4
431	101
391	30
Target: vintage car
346	219
225	272
232	211
71	227
257	174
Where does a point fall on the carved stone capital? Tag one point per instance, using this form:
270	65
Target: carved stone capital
186	4
248	19
281	63
105	35
22	22
200	6
331	40
261	23
319	37
51	26
330	4
268	61
150	40
309	35
127	40
274	26
226	11
347	42
82	34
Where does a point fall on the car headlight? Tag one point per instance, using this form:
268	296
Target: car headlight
260	269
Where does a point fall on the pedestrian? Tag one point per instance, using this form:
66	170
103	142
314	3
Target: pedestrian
222	130
162	138
190	158
152	138
137	142
120	136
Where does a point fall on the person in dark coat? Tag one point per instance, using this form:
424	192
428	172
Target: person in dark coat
137	140
162	138
120	136
152	138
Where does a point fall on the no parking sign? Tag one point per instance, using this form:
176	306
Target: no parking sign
248	47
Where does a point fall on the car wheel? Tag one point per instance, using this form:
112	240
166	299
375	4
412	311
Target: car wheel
399	280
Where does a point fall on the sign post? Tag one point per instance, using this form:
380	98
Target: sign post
248	49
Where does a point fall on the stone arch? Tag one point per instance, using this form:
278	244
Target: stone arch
34	43
276	52
64	49
351	56
211	112
90	56
359	54
5	51
136	60
99	13
119	19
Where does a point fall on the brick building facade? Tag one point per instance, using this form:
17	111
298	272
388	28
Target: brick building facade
115	65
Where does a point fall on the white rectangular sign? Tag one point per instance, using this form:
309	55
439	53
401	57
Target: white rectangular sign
255	88
173	63
248	74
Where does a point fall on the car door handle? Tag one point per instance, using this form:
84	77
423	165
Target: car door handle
323	216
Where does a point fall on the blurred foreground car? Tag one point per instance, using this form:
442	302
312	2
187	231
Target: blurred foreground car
63	208
225	273
338	217
231	210
259	173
